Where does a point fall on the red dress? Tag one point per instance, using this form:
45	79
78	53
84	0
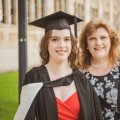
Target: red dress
69	109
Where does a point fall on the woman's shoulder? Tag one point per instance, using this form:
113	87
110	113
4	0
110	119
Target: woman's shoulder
78	72
82	81
83	70
81	75
34	70
32	75
116	65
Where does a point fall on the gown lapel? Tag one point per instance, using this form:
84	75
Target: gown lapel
49	98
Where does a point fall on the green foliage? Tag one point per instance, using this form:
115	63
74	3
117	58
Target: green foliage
8	95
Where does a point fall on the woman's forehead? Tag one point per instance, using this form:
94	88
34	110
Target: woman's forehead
99	30
63	32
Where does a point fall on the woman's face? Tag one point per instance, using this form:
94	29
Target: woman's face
59	45
99	43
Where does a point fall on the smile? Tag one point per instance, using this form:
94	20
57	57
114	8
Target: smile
61	51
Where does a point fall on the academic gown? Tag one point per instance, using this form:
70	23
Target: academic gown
44	106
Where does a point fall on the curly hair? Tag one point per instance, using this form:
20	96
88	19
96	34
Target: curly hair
44	54
85	56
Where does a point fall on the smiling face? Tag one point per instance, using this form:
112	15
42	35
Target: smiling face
59	45
99	43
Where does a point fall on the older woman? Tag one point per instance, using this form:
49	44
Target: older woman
99	60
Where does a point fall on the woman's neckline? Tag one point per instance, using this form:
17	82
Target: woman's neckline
101	65
113	67
57	78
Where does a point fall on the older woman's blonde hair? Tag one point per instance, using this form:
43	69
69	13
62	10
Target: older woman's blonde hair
85	56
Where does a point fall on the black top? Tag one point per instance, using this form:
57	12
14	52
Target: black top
44	106
106	87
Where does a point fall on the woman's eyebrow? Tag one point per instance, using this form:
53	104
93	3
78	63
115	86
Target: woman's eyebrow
54	37
92	38
67	37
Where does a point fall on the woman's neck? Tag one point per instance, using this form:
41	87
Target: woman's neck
58	67
56	70
99	62
100	67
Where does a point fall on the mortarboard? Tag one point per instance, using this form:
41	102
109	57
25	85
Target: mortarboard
59	20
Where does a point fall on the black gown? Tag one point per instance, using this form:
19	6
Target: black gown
44	106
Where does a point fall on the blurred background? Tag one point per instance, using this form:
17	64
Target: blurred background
85	9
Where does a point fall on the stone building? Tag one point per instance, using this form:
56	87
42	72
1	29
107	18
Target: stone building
85	9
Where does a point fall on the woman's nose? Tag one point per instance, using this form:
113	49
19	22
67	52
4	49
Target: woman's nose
98	41
62	43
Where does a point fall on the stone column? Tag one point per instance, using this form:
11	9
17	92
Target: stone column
100	8
15	11
38	8
111	11
7	11
1	11
70	6
87	4
31	10
49	7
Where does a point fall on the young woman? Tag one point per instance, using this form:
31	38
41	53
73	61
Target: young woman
65	94
99	60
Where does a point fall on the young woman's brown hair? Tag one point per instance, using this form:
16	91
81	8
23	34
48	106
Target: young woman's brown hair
44	54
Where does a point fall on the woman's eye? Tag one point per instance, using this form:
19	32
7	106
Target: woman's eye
54	39
103	38
67	39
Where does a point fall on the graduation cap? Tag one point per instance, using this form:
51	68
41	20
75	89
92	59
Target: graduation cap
59	20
